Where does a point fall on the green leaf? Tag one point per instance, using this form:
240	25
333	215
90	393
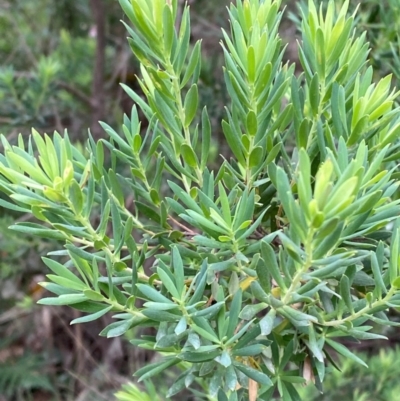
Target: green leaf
245	335
216	216
179	274
297	317
181	326
92	317
251	123
256	157
193	63
93	295
105	215
390	136
234	313
185	198
205	138
88	306
168	283
66	283
222	395
38	230
76	197
152	294
12	206
254	374
153	369
145	25
189	156
359	131
273	153
224	359
341	349
259	293
116	221
116	188
67	299
320	52
250	350
191	104
170	340
394	253
253	227
137	143
62	271
200	283
138	174
209	312
267	322
380	286
314	94
251	64
396	283
345	293
270	266
249	311
160	315
194	340
184	39
302	133
207	334
203	354
160	305
329	240
204	324
313	344
234	142
168	28
147	211
205	224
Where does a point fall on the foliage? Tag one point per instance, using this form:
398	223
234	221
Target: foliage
357	383
14	247
28	81
380	21
47	57
19	376
250	274
130	392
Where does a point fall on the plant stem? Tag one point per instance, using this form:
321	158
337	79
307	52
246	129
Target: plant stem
364	311
307	264
181	114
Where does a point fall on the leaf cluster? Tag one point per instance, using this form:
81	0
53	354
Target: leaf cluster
356	382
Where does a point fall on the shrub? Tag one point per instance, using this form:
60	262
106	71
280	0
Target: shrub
130	392
249	274
357	383
380	21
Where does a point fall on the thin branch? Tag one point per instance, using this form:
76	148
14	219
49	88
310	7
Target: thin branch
187	229
75	92
98	92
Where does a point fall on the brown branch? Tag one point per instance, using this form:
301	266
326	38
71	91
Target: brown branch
187	229
98	90
75	92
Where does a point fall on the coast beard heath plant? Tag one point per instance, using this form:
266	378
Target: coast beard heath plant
250	273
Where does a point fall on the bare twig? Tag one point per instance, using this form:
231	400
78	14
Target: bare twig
59	125
75	92
187	229
23	42
98	92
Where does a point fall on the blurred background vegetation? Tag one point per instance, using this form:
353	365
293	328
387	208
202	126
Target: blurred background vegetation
61	63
